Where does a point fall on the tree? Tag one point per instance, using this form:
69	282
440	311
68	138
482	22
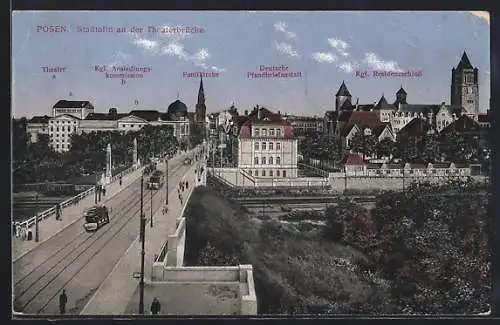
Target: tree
408	150
364	144
384	148
429	148
20	140
453	145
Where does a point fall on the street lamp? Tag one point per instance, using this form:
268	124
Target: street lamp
142	236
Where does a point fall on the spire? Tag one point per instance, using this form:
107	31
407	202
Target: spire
177	95
201	94
343	91
464	63
401	90
382	101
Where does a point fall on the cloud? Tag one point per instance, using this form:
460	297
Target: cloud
217	69
172	44
287	49
482	14
324	57
281	26
347	67
147	45
339	45
374	62
118	58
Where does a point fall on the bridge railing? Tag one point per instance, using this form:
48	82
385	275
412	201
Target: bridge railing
47	213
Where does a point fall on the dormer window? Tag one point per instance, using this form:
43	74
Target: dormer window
264	132
368	132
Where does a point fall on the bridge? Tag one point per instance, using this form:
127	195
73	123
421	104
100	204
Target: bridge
67	257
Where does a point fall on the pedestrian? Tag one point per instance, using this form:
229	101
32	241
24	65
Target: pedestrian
103	191
120	180
155	306
63	299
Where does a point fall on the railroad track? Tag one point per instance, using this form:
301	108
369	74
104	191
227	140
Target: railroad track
39	284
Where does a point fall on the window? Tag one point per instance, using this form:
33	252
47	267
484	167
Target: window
470	101
57	129
256	146
278	132
51	129
263	173
270	160
263	146
270	146
264	132
278	160
271	173
250	172
256	172
57	146
256	160
277	173
263	160
284	173
256	132
271	133
278	145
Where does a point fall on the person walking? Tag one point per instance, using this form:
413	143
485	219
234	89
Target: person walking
155	306
103	191
120	180
58	211
63	299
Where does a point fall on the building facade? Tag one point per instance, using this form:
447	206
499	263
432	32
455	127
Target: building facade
305	124
465	87
77	108
267	146
37	125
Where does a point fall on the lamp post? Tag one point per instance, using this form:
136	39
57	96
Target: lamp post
95	189
36	218
142	236
151	221
166	181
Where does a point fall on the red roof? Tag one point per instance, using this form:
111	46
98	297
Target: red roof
266	117
360	118
354	159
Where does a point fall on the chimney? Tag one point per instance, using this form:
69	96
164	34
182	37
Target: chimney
399	106
279	113
258	112
357	103
246	112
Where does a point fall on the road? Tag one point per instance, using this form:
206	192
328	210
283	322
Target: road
79	261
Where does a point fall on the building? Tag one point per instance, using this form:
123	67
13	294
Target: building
465	87
464	100
37	125
305	124
267	146
61	127
77	108
201	108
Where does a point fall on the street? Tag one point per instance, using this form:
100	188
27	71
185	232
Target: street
79	261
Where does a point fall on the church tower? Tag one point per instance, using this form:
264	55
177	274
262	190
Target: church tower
200	105
342	98
465	87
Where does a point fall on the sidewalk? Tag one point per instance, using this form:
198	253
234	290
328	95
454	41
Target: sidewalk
49	227
113	296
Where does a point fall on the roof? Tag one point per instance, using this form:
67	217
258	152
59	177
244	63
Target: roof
343	91
360	118
462	124
401	91
353	159
382	101
266	117
105	116
380	128
362	107
148	115
419	108
178	108
39	119
464	63
73	104
415	128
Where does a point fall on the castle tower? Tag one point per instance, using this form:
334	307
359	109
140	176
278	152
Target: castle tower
400	97
343	97
200	105
465	87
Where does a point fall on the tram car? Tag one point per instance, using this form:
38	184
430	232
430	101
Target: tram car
95	217
156	180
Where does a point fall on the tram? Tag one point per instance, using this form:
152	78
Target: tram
95	217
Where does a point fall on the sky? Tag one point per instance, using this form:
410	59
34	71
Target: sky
325	47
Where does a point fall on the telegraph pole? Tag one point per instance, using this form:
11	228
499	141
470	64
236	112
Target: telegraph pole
36	218
142	236
151	221
95	189
166	177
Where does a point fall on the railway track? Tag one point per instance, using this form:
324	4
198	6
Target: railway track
39	279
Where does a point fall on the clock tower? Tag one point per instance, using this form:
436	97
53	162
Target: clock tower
465	87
